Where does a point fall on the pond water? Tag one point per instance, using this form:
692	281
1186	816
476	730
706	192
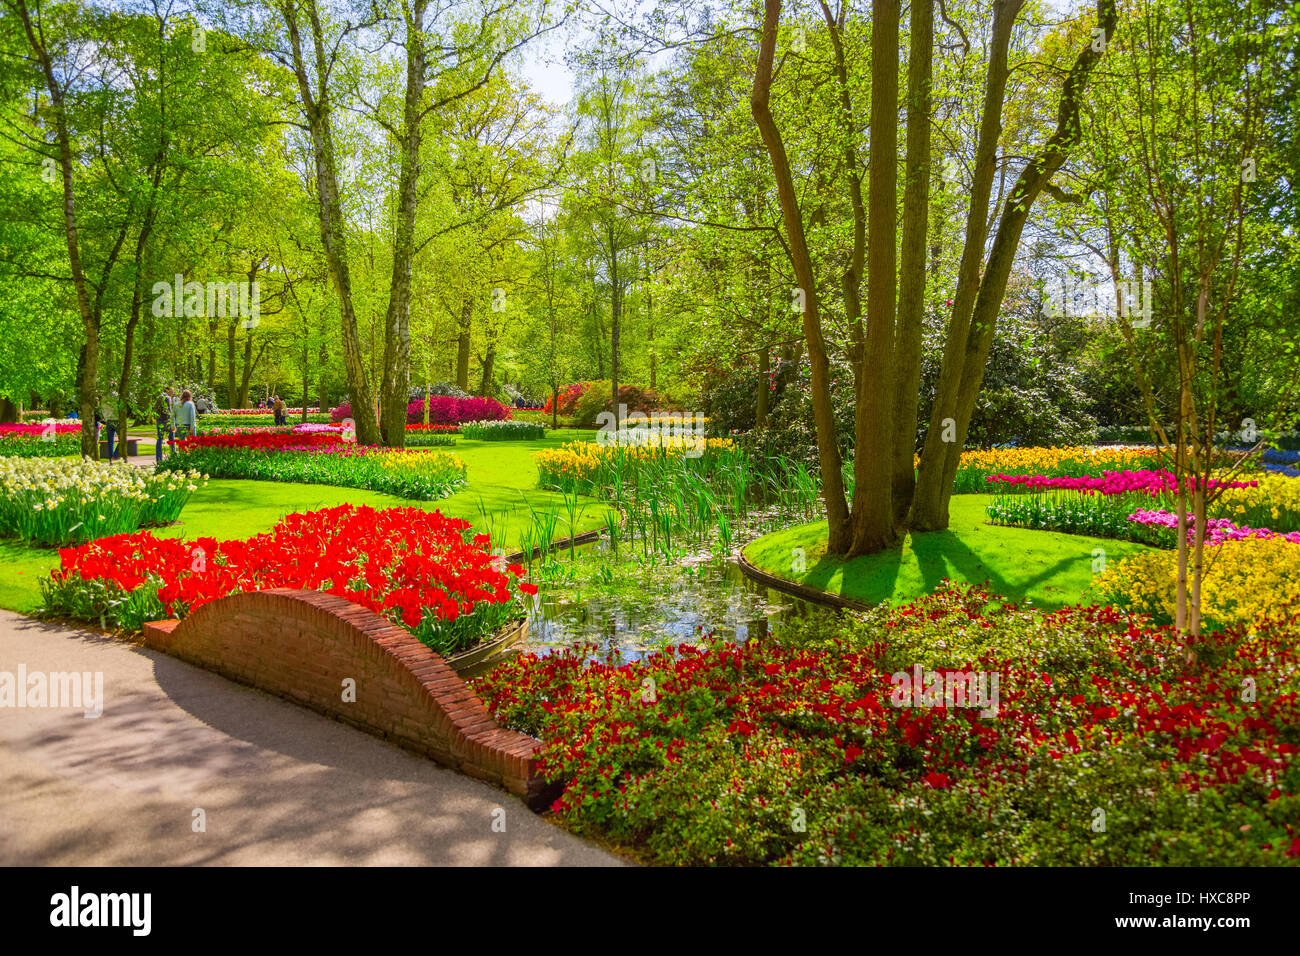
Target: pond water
636	611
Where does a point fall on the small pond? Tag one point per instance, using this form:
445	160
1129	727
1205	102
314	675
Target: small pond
619	606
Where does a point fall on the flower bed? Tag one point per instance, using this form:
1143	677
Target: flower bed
259	439
420	569
1244	579
765	753
1272	500
974	467
1285	463
1111	483
1217	530
588	466
313	410
251	418
1113	505
508	430
431	436
73	500
323	459
40	440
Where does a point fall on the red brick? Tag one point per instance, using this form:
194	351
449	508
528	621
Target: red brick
301	644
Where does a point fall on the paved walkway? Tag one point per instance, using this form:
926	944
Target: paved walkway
278	784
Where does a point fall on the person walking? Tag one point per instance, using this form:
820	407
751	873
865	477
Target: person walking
278	407
165	418
187	416
107	415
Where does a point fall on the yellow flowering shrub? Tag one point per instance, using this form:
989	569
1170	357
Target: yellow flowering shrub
1244	580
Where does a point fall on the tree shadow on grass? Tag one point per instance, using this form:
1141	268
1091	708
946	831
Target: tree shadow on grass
941	554
936	556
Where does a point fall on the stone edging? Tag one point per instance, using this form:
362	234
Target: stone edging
585	538
812	595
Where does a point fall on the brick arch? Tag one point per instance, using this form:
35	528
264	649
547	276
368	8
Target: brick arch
301	645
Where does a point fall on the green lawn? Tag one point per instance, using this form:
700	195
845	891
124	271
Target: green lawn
1051	569
500	473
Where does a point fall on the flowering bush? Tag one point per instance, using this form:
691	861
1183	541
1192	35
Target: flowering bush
503	431
1244	580
567	397
418	568
324	460
596	399
772	753
40	440
71	500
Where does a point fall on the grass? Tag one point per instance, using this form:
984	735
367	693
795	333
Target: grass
502	479
1048	568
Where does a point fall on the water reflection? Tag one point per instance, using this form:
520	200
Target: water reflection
714	601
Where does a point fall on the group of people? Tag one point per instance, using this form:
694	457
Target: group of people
278	408
170	416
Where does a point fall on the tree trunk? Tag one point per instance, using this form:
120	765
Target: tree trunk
462	344
911	283
88	393
873	516
940	459
615	313
764	371
396	387
929	502
322	396
246	377
1015	212
650	338
333	226
232	397
485	387
837	516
